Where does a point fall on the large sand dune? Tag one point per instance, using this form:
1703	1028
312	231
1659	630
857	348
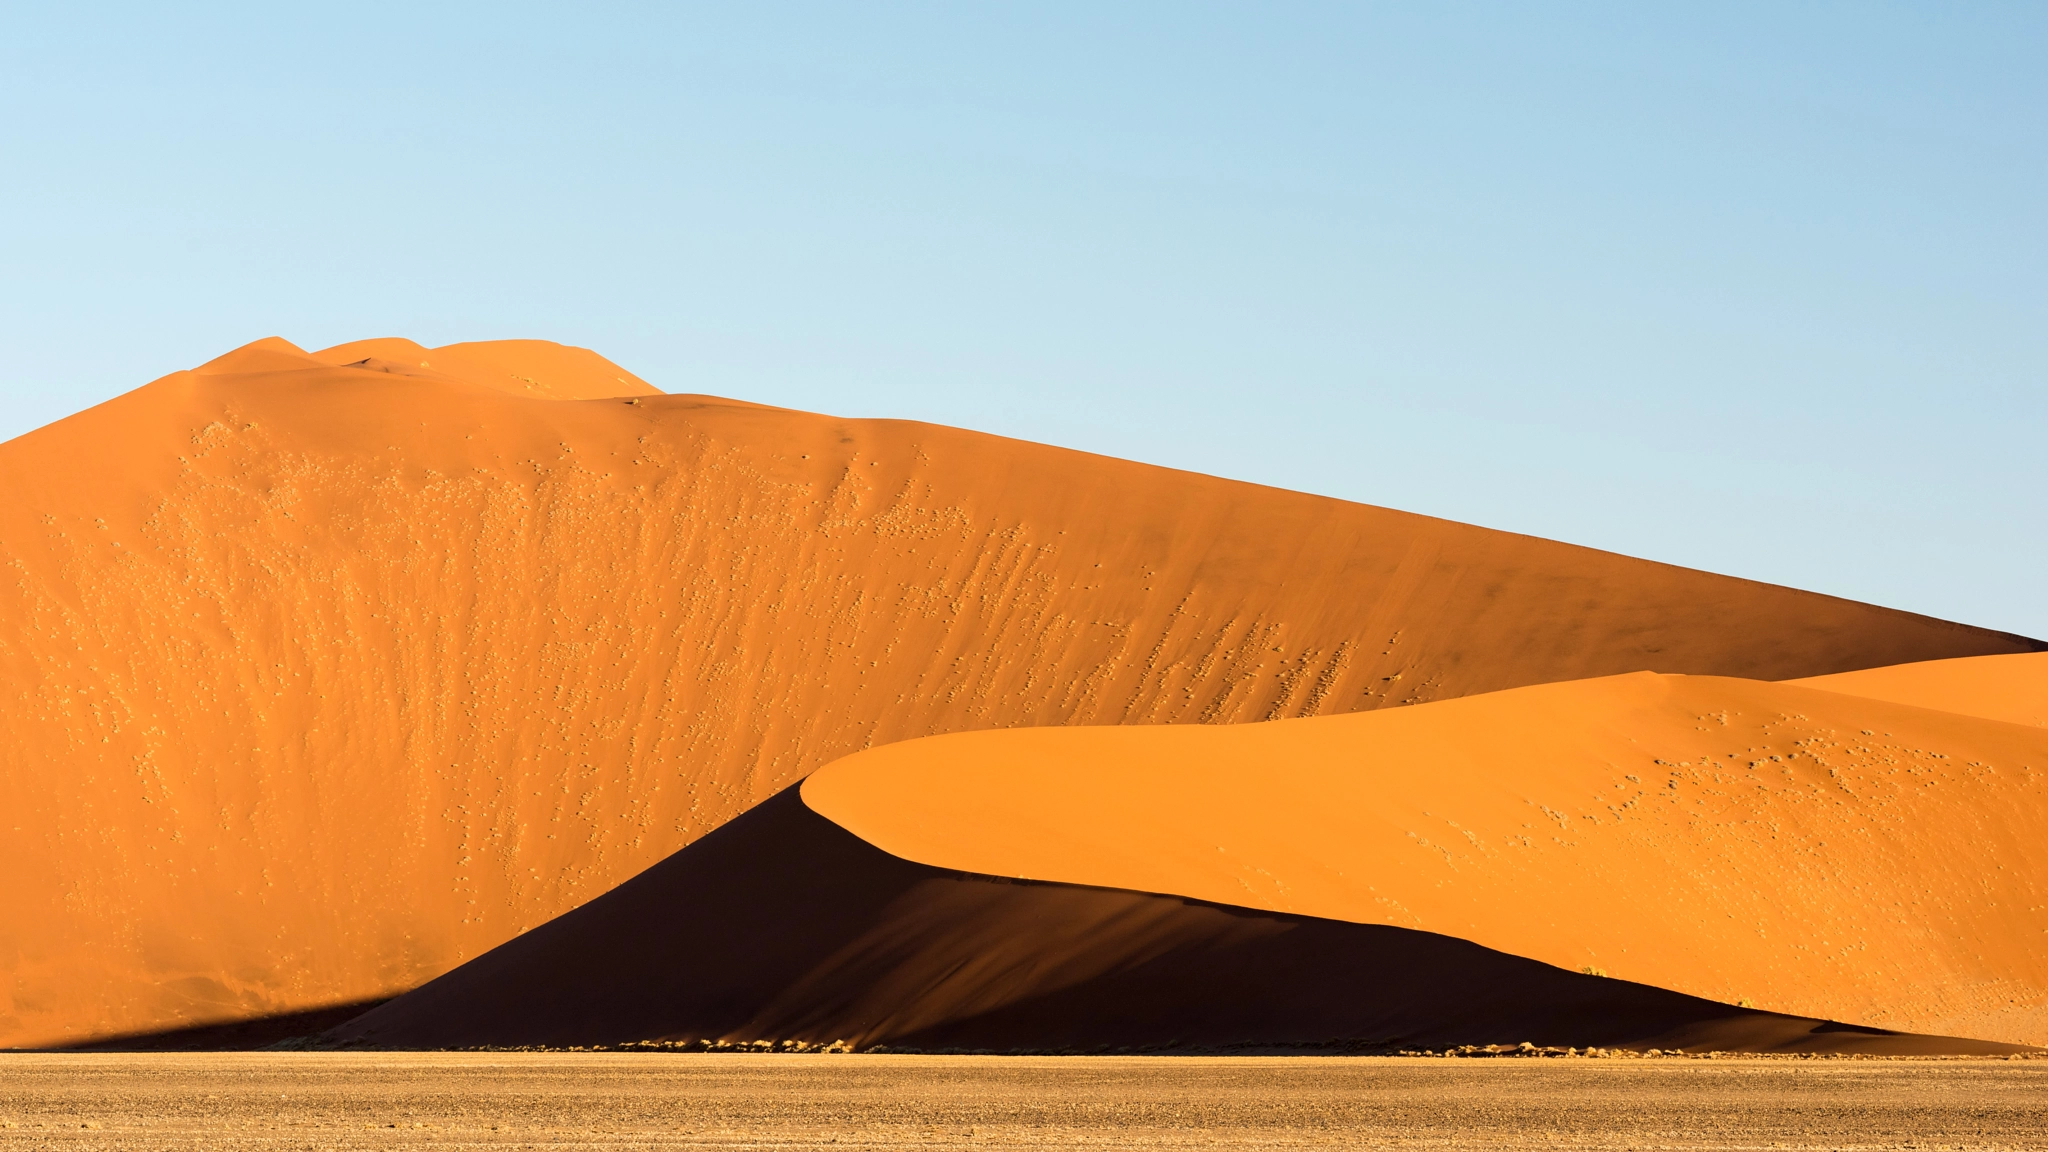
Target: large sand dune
325	672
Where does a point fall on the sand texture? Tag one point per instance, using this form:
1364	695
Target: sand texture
326	672
445	1100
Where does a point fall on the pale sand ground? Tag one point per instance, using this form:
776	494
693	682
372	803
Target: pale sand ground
457	1100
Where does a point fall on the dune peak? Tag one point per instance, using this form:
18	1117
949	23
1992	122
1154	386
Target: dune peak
270	354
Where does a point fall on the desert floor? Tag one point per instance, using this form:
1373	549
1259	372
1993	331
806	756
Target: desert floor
467	1100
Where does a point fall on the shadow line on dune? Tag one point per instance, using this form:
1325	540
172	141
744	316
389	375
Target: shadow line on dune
228	1036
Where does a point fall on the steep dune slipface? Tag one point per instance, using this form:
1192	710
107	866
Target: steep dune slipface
1811	853
783	927
322	679
2012	688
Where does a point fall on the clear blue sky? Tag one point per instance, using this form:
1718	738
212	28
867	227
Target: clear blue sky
1761	289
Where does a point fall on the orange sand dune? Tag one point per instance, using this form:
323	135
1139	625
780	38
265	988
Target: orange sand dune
1812	853
322	679
783	927
2012	688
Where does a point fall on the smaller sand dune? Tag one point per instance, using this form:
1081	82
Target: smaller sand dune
2012	688
783	926
1814	853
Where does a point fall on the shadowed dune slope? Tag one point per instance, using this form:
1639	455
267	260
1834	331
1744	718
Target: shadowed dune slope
321	679
782	926
2012	688
1812	853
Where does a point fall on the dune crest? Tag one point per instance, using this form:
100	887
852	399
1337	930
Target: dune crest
1811	853
539	369
270	354
2012	688
324	679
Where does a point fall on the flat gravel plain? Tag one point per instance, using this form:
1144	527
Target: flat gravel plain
629	1101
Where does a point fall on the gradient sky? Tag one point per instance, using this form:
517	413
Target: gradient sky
1761	289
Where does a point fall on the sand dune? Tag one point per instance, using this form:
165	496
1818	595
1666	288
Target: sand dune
1809	852
2012	688
321	678
782	926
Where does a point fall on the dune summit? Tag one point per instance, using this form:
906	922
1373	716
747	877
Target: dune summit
328	671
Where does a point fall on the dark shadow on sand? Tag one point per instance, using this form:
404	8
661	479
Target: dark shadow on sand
234	1035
